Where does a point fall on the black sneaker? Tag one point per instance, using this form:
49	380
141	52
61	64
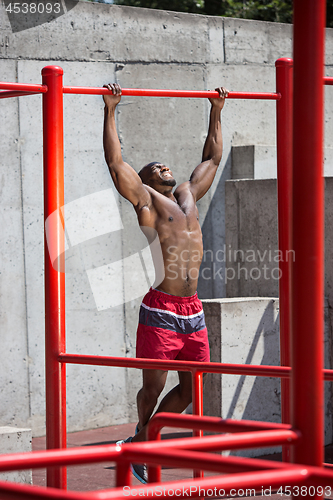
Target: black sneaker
140	472
122	441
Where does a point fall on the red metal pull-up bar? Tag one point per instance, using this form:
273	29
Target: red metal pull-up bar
14	93
198	94
24	87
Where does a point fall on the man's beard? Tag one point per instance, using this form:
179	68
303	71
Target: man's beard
169	182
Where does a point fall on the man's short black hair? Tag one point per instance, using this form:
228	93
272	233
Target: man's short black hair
145	171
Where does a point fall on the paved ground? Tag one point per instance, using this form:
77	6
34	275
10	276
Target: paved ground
102	475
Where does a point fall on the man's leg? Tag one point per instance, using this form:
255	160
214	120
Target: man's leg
152	386
176	401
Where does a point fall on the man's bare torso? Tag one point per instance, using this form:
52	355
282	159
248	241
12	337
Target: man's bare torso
174	216
176	221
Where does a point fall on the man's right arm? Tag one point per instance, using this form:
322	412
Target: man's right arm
126	180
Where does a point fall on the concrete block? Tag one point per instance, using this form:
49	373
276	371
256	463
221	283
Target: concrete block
15	440
265	166
256	42
259	162
328	108
329	47
246	331
329	246
328	162
243	331
254	162
216	42
242	162
251	251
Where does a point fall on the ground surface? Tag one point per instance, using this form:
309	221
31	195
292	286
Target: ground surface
102	475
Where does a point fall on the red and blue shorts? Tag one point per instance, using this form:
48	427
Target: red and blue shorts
172	327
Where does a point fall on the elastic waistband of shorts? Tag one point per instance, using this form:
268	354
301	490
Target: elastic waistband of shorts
174	298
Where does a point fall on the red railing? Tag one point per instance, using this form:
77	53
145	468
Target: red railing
55	287
300	200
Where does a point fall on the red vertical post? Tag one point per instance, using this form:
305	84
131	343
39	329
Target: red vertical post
123	474
55	376
308	232
154	471
197	405
284	137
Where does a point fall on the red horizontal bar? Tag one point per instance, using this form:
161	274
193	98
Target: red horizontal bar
227	368
328	80
213	424
132	451
230	483
172	93
291	476
187	488
23	87
4	94
14	491
207	461
328	374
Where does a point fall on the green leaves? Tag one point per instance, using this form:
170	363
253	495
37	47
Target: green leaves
280	11
264	10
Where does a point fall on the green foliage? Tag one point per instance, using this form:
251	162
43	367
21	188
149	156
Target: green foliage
263	10
193	6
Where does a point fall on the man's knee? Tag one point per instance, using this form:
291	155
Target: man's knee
150	393
153	384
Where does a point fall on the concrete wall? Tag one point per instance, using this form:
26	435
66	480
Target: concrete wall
251	249
246	331
96	44
15	440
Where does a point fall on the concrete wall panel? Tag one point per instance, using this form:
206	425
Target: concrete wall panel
15	390
95	44
15	440
243	123
246	331
251	238
88	331
245	44
181	37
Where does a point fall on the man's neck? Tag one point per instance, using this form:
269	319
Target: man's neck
167	192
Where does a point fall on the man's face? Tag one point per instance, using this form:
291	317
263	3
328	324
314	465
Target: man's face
162	175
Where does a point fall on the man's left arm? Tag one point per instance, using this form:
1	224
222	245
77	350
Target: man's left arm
203	175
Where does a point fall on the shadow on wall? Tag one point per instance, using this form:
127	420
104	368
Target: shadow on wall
243	331
212	271
262	387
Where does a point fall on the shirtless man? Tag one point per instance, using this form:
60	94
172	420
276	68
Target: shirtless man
171	321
